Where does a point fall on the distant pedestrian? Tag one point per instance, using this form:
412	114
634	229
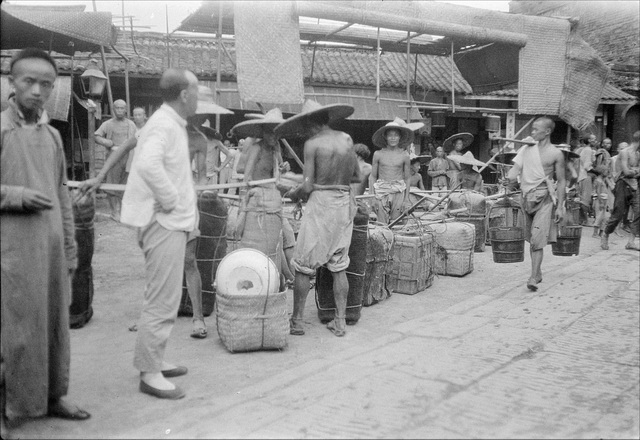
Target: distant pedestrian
438	167
587	152
139	118
112	135
160	200
38	249
627	195
536	165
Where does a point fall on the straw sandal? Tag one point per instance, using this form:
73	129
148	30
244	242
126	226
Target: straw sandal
334	329
632	246
295	328
199	332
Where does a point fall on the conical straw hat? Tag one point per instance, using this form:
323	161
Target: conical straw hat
406	134
207	105
413	126
256	127
294	125
467	159
467	138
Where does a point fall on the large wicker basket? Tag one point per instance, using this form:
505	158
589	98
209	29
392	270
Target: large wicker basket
252	322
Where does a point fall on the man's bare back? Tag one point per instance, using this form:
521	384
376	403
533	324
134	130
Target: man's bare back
332	157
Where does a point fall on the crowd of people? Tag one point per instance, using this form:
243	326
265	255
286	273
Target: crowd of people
171	152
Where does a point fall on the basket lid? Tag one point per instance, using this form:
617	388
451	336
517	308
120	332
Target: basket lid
247	272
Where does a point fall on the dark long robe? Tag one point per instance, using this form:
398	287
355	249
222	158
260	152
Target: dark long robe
38	249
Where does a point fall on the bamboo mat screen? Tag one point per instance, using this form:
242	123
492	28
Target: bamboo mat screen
584	82
268	52
542	65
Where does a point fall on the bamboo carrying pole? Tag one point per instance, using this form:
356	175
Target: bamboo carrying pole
292	153
117	187
415	205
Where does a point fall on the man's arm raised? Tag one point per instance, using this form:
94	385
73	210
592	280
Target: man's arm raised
91	185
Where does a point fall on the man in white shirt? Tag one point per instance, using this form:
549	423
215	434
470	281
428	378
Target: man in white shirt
160	200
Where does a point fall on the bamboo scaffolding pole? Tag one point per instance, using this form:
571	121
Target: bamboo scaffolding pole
404	23
453	84
378	53
407	74
219	61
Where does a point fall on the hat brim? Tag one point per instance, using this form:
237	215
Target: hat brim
415	126
467	138
253	128
569	154
294	126
209	108
466	161
379	137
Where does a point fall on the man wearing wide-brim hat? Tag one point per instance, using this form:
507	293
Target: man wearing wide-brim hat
453	146
330	166
391	170
469	176
260	223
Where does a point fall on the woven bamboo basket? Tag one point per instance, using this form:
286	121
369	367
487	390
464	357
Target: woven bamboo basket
252	322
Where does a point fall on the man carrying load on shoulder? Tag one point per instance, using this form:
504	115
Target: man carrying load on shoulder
536	165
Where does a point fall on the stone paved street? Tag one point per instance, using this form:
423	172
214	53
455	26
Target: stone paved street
473	357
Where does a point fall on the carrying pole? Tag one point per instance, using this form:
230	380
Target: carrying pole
415	205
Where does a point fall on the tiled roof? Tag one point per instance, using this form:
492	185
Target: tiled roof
609	93
335	67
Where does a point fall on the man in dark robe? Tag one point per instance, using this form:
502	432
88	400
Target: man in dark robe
38	249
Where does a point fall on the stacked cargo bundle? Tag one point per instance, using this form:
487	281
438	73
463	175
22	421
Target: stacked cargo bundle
411	268
454	244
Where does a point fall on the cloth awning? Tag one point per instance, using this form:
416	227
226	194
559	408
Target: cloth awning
61	29
58	104
363	100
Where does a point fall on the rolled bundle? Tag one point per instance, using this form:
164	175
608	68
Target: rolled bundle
211	247
260	222
81	309
379	244
473	201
